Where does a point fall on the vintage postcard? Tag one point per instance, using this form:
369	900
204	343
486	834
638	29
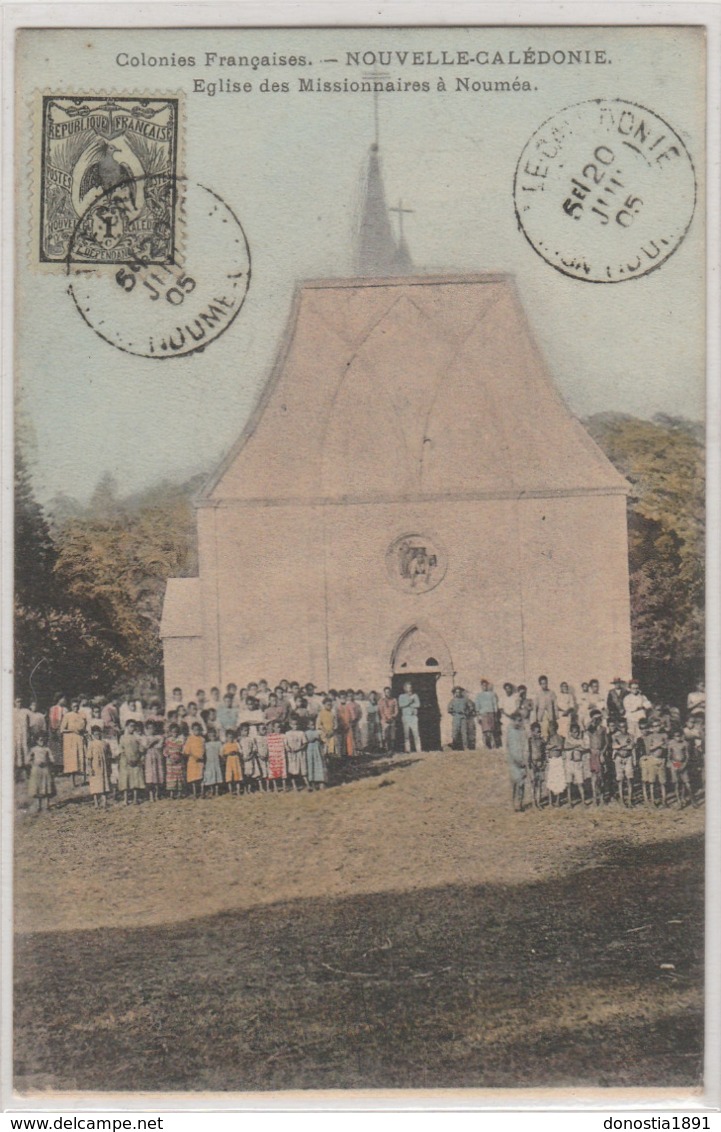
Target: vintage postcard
359	706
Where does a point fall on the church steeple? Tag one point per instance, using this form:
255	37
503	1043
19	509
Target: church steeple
377	251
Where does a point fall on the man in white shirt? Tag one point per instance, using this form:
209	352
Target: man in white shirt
635	706
409	704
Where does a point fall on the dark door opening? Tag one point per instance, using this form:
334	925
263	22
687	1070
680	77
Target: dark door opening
429	713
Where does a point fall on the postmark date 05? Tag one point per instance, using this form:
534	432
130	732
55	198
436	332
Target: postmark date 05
174	288
599	178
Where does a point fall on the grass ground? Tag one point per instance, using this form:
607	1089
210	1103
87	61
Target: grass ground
403	930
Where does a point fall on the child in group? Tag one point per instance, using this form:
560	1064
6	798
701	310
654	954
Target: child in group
695	735
678	755
213	770
248	754
261	750
233	766
373	723
40	783
517	755
194	751
536	757
654	736
556	782
154	763
98	763
597	740
276	757
622	749
174	761
296	759
130	765
326	724
316	768
573	748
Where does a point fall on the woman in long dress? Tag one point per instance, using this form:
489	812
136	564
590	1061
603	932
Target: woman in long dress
55	718
174	761
154	762
295	754
73	729
194	750
40	782
213	769
130	763
249	757
98	760
276	757
316	773
327	725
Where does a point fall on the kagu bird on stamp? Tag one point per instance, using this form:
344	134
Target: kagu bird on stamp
107	179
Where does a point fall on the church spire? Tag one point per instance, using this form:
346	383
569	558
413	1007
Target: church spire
377	249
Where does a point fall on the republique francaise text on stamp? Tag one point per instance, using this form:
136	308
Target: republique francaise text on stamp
116	153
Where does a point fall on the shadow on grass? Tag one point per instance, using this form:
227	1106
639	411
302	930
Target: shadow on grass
366	766
545	984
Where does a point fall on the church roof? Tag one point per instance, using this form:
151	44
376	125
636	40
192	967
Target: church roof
181	609
410	388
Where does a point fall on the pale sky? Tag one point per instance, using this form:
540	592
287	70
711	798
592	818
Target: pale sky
290	166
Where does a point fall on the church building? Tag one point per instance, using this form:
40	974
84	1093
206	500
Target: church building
410	499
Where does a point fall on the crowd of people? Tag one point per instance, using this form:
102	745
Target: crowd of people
257	739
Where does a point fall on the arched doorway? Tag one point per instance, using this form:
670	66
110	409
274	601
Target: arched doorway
422	657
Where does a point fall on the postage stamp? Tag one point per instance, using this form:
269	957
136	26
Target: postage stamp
605	191
107	169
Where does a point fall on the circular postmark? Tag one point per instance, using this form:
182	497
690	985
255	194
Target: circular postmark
173	287
416	563
604	191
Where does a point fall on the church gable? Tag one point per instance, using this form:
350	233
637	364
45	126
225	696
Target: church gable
421	387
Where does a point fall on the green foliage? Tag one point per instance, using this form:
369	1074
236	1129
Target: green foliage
57	644
114	560
90	583
664	461
34	548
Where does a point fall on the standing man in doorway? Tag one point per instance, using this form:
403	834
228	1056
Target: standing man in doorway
409	704
388	708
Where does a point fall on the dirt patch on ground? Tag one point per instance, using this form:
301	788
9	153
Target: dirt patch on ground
407	930
410	823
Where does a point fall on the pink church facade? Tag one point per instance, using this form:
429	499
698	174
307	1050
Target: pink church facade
389	510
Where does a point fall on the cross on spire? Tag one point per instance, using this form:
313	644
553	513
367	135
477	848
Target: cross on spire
401	212
378	253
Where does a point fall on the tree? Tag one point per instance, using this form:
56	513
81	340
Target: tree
34	549
57	643
113	562
664	461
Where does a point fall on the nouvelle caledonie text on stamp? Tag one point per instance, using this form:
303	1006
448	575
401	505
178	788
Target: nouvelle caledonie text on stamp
120	155
605	191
